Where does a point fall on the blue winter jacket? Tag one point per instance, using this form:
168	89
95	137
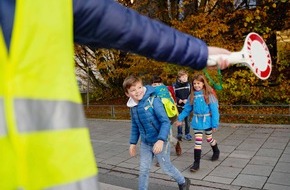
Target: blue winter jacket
152	124
205	115
107	24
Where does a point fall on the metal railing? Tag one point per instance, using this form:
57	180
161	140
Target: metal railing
268	114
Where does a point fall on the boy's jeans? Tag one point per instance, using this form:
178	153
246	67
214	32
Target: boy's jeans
146	157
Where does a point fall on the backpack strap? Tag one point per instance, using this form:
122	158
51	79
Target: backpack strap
151	100
149	106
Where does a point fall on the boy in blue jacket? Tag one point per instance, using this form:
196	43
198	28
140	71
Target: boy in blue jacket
204	105
153	127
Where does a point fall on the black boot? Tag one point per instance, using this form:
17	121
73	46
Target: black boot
216	152
197	155
186	184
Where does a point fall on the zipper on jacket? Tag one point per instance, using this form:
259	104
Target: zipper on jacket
154	127
141	122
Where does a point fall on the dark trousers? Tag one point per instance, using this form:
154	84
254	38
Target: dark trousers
179	128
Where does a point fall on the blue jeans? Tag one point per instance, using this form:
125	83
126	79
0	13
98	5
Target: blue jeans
146	157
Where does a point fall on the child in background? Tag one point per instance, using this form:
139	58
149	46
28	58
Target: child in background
204	104
153	128
182	91
162	91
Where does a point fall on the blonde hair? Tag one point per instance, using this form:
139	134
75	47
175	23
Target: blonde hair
207	89
130	81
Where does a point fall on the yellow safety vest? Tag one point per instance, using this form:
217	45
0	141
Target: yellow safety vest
44	143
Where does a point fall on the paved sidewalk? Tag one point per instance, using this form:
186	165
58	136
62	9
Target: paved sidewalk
105	186
252	157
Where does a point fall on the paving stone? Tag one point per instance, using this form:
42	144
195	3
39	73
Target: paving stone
283	167
182	165
274	139
260	170
242	133
232	142
255	141
274	145
124	154
128	165
287	150
259	136
269	152
114	160
285	158
235	162
281	133
246	146
250	181
264	131
133	160
201	183
237	136
279	178
218	179
200	174
106	155
225	171
227	148
262	160
270	186
242	154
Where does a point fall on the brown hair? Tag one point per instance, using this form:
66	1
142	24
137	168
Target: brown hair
181	73
207	89
130	81
156	79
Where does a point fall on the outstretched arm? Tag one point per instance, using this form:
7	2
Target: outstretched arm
107	24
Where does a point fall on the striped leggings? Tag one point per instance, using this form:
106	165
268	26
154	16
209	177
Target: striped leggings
198	138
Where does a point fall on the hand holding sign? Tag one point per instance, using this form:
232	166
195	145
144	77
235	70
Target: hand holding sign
254	54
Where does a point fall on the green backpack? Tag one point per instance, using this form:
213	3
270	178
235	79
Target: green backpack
169	106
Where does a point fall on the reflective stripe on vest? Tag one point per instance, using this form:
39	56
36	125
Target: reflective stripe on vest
3	128
37	115
85	184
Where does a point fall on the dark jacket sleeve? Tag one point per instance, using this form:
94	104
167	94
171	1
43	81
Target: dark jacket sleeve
107	24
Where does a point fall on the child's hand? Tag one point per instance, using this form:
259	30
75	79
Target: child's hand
214	129
158	146
132	150
177	123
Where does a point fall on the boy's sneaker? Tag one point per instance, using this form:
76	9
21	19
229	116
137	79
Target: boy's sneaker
188	137
186	185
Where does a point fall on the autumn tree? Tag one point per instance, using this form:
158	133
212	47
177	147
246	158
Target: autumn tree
223	23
